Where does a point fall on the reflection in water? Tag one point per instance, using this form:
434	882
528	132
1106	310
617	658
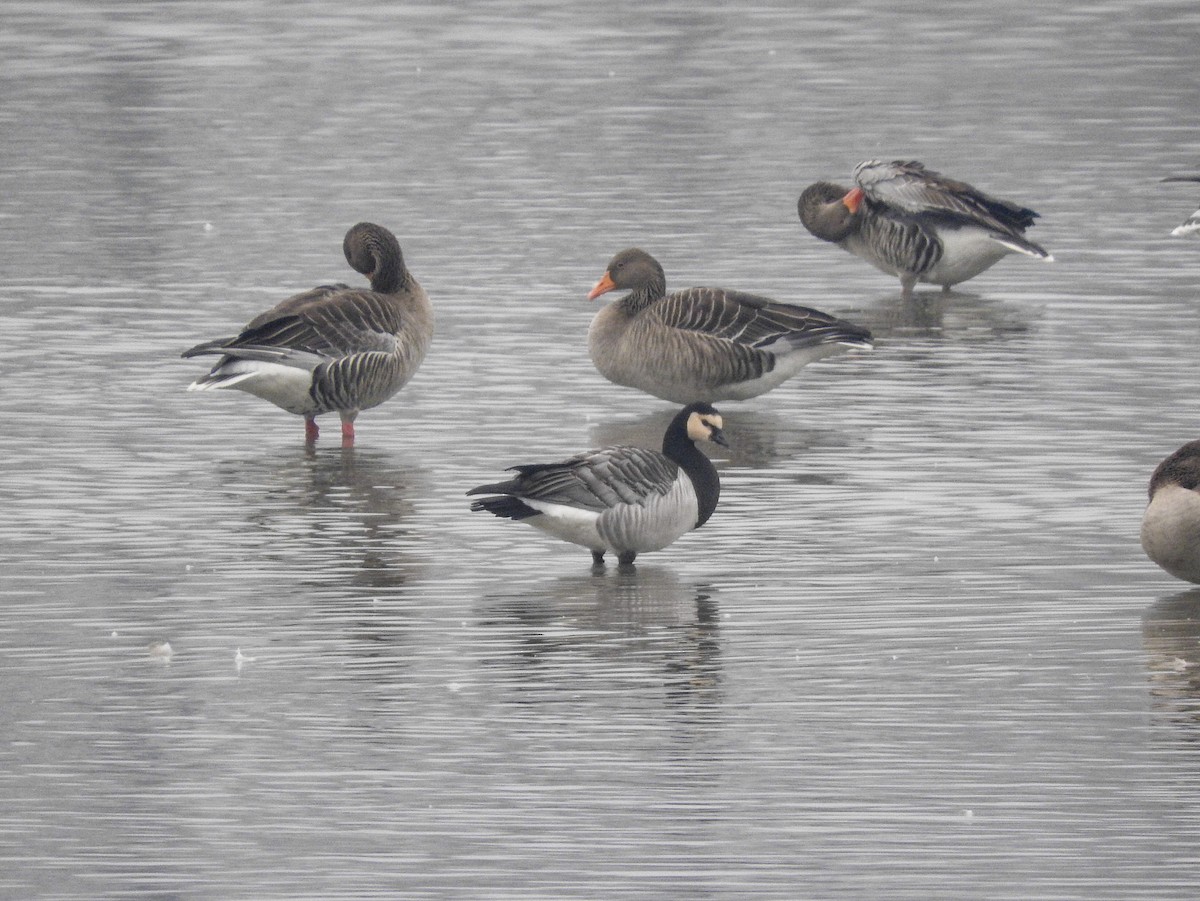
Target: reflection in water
952	315
593	736
632	620
1171	637
334	515
758	438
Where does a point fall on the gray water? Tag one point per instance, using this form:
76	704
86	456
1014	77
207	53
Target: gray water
916	654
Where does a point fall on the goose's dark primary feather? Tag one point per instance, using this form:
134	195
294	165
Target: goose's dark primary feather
595	480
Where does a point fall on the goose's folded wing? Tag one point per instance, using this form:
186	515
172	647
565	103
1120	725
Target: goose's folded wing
908	186
297	303
598	480
754	321
343	323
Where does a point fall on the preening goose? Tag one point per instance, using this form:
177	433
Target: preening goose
704	344
916	224
333	348
1171	523
1191	225
622	499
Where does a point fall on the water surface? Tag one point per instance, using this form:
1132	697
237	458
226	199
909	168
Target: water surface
917	652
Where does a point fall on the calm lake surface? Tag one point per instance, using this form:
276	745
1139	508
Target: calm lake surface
916	654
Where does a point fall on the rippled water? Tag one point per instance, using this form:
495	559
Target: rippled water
917	652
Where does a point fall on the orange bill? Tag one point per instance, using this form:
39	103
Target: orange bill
602	287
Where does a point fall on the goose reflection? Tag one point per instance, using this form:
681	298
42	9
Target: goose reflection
646	623
339	516
949	316
1171	638
758	438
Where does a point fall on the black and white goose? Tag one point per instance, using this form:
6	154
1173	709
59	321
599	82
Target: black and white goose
916	224
624	499
1171	523
1191	225
704	344
333	348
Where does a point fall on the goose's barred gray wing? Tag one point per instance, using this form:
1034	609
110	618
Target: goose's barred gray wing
296	303
907	185
597	480
754	321
352	322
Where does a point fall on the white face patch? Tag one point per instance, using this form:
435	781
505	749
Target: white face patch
701	427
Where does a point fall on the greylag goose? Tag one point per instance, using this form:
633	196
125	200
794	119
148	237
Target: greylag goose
620	498
1171	524
704	344
333	347
914	223
1191	225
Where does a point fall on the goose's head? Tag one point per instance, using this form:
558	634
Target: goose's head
829	211
704	423
374	251
631	270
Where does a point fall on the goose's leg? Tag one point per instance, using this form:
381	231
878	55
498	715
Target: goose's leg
626	558
348	428
597	558
907	283
310	430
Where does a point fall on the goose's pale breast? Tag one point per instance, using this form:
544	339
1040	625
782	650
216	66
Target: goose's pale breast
1171	531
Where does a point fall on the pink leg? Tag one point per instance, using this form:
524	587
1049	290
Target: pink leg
347	432
310	430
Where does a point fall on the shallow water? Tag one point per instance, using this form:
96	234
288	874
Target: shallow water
917	652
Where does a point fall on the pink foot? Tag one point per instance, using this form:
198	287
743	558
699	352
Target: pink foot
310	431
347	434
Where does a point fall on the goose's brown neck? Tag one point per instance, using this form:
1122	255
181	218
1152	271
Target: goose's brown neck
374	251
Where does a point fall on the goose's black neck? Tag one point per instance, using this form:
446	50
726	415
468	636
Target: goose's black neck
679	447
